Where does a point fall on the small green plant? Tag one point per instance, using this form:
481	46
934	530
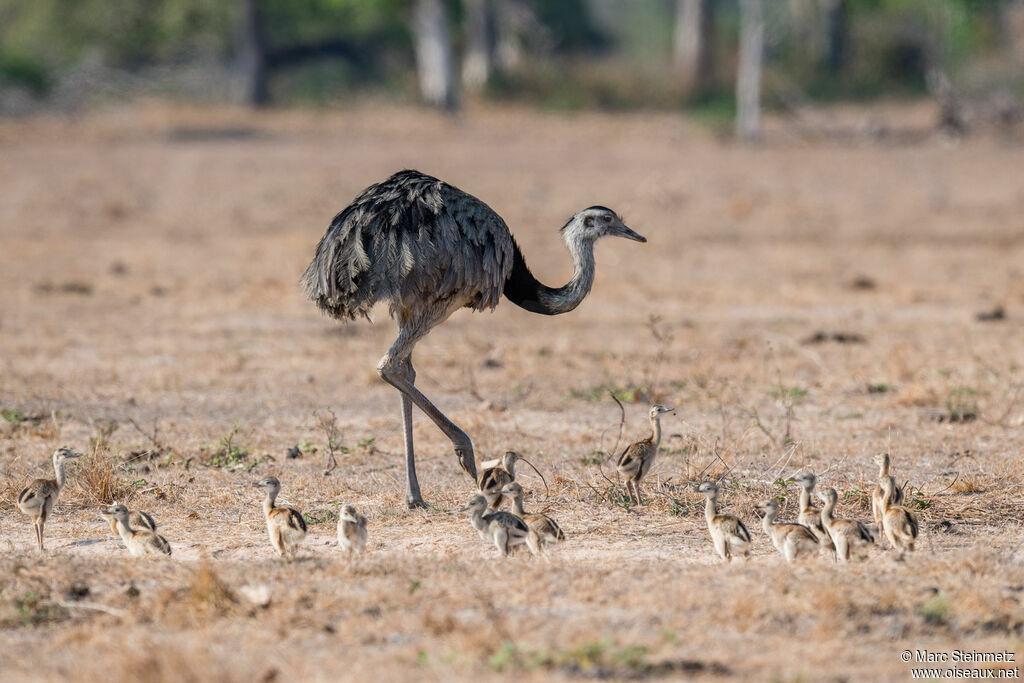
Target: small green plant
917	500
504	657
33	608
316	516
307	446
596	459
12	416
880	388
230	455
784	393
962	404
934	610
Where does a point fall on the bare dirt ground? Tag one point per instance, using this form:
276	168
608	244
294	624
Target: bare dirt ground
149	265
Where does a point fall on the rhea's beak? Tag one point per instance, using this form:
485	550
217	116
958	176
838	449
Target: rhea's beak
623	231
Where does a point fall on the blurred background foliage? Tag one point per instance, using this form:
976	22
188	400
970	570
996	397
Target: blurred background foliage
569	54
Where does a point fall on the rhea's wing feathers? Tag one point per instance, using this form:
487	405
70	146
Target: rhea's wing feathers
35	494
295	520
159	543
407	237
142	520
631	460
507	519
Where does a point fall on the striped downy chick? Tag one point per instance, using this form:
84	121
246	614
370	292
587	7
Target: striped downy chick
898	523
789	539
285	525
844	532
543	529
503	529
351	530
497	475
140	542
895	498
636	461
138	519
810	516
728	533
38	498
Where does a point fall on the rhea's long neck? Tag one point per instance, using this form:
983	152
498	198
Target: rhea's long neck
268	502
805	499
768	522
517	506
524	290
709	508
656	431
58	469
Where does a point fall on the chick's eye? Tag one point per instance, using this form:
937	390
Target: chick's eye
606	218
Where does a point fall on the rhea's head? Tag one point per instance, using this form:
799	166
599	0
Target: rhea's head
116	511
269	484
806	481
475	503
770	507
827	496
349	514
514	490
657	410
709	489
62	454
597	222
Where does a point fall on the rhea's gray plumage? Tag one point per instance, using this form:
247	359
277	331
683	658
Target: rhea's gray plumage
427	249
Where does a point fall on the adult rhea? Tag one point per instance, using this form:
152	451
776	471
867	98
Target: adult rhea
429	249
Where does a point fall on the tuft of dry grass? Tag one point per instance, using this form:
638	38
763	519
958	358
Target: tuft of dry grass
99	479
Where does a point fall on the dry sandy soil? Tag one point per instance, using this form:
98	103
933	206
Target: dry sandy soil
149	265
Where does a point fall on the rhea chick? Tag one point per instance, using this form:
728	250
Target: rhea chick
728	533
895	498
636	461
140	542
844	532
285	525
543	529
810	516
38	498
351	530
789	539
138	519
898	523
503	529
495	476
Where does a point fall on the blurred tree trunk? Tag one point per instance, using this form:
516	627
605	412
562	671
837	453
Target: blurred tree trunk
434	53
836	35
252	56
748	73
478	59
692	45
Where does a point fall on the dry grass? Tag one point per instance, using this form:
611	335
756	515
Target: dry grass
151	315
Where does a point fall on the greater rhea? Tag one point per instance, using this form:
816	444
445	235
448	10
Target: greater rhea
728	533
789	539
285	525
810	516
351	530
545	529
895	498
428	249
844	532
504	529
38	498
140	542
636	461
898	523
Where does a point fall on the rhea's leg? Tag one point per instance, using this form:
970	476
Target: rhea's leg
395	369
413	498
